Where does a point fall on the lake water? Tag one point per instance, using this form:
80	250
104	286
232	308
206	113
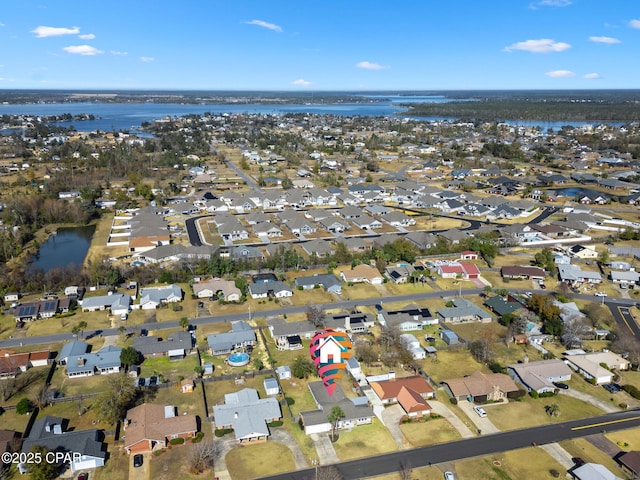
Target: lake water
130	116
575	191
67	248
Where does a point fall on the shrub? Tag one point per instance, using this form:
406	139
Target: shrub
623	406
176	441
221	432
197	438
534	394
23	407
632	390
454	401
159	452
275	423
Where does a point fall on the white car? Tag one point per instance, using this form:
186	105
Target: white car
600	294
449	476
480	411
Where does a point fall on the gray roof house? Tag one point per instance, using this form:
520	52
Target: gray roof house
321	248
118	303
410	318
356	410
241	335
151	298
539	376
176	346
327	280
263	289
103	362
464	311
247	414
288	335
85	446
73	348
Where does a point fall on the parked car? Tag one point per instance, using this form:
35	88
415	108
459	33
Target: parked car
612	387
141	382
153	380
600	294
561	385
83	476
480	411
124	316
543	286
137	460
577	461
449	476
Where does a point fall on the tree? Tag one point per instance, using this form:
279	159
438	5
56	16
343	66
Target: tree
42	470
258	364
553	410
334	417
302	367
184	323
545	259
316	315
203	455
24	406
112	404
480	350
130	356
406	470
365	352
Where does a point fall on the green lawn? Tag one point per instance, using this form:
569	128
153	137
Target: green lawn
169	369
452	364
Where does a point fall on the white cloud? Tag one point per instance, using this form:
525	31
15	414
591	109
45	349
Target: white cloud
43	32
550	3
543	45
263	24
147	59
560	74
114	52
592	76
607	40
301	82
82	50
635	23
370	66
87	36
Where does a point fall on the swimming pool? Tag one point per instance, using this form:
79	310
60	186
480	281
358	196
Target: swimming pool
239	359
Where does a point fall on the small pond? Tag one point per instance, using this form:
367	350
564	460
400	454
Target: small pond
67	247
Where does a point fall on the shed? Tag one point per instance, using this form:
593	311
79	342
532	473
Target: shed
271	386
449	336
208	368
283	372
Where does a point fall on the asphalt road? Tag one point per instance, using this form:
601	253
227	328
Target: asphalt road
473	447
625	320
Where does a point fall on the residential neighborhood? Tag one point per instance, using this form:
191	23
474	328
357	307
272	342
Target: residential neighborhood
485	274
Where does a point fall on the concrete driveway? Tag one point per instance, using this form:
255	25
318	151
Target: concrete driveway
391	416
324	448
483	424
585	397
140	473
442	410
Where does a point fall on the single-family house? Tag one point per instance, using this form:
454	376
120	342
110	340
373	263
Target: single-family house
240	336
72	348
289	335
118	303
540	376
411	393
317	247
85	448
217	287
362	274
574	274
582	252
277	289
150	427
407	319
464	311
593	471
356	410
329	281
514	271
598	366
176	346
412	345
482	387
153	297
103	362
247	414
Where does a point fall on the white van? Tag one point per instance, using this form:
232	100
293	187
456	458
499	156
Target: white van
480	411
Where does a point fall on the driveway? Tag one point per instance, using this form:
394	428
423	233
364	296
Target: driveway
585	397
485	425
324	449
391	416
442	410
283	436
140	473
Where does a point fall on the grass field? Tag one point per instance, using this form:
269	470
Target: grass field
252	461
530	462
581	447
364	441
531	412
452	364
430	432
169	369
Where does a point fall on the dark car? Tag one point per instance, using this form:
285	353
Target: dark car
137	460
561	385
543	286
153	380
200	304
140	382
577	461
83	476
612	387
378	307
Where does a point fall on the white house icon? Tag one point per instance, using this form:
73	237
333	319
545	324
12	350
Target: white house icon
330	350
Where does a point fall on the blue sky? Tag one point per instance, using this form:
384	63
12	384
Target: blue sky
328	45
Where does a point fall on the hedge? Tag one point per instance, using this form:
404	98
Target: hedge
176	441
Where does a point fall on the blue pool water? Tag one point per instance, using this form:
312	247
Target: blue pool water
238	359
